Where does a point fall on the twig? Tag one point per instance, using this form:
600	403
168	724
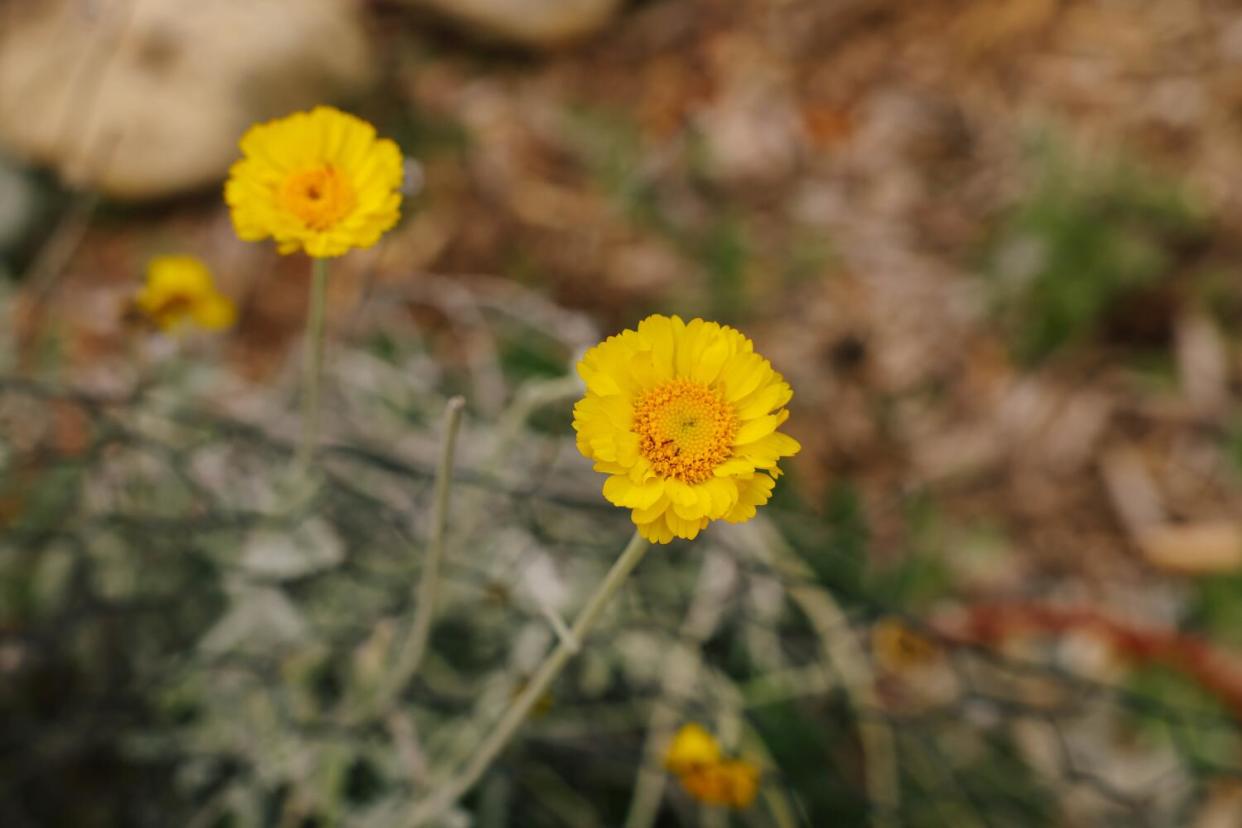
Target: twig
791	683
446	794
531	397
560	628
411	654
574	330
405	739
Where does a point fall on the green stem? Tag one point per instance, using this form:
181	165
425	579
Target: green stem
313	365
450	791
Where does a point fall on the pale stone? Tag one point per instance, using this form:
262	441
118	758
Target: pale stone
538	23
142	99
1194	549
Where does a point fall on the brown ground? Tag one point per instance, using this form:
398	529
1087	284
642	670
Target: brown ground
824	173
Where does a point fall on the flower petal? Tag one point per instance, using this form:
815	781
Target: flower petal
620	491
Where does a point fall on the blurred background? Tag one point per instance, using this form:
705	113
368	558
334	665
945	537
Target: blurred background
992	245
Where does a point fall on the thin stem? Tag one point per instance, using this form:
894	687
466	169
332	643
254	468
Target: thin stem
450	791
411	655
313	364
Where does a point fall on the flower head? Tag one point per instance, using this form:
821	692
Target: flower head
683	418
695	756
692	747
318	181
732	783
180	291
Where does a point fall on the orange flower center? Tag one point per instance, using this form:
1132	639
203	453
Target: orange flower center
319	196
685	429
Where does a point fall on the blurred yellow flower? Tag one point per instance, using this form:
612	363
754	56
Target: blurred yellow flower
317	181
180	291
694	756
692	747
683	418
732	783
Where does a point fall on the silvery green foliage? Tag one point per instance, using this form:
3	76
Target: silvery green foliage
239	624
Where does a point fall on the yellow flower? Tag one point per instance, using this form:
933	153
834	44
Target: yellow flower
694	755
683	419
179	292
318	181
692	747
732	783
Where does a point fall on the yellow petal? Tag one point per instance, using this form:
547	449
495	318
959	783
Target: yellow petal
710	361
680	493
660	335
651	513
742	374
735	466
692	511
759	427
688	529
766	451
214	313
764	400
619	491
752	493
723	495
656	531
692	746
690	346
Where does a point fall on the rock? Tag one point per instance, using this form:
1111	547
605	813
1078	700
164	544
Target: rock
1210	547
536	23
142	99
1202	363
1132	490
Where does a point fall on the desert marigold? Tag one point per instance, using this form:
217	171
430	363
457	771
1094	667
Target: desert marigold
683	418
318	181
705	773
732	783
180	292
692	747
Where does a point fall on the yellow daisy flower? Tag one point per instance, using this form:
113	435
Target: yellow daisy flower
733	783
692	747
318	181
695	756
683	418
180	291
